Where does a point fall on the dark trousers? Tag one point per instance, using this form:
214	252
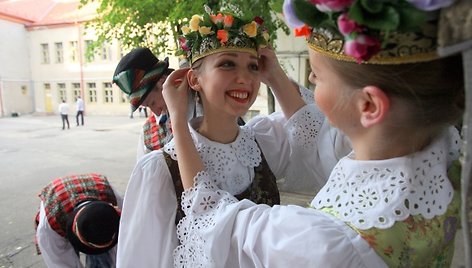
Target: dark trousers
65	118
145	111
99	261
81	113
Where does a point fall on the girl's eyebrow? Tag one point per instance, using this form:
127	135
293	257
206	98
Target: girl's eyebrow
232	54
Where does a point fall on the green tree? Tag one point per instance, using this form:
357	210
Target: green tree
155	23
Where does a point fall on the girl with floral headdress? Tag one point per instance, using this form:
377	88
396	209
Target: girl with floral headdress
391	202
228	61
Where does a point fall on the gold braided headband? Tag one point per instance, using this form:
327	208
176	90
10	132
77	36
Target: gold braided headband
401	48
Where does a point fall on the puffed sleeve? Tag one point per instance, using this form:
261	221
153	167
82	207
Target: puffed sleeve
302	150
219	231
141	149
147	235
56	250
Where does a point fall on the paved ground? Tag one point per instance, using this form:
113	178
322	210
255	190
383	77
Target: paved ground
34	150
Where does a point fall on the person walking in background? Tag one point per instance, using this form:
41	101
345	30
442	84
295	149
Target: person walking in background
64	111
80	110
143	109
78	213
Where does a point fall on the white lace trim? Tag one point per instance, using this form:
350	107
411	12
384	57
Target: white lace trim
230	165
200	204
378	193
304	126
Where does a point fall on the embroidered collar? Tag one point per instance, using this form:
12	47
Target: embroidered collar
378	193
226	163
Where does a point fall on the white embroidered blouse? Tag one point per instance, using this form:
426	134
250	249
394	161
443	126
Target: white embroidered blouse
147	228
220	231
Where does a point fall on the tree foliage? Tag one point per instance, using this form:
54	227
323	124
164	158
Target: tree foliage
156	23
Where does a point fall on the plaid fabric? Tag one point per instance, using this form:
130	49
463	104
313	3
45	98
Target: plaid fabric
62	194
156	135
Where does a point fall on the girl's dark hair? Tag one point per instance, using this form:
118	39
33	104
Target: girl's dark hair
434	89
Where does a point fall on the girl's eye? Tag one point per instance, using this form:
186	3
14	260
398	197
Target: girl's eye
254	67
227	64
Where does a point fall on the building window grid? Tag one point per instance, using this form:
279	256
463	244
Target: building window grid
59	52
108	92
76	90
74	51
62	93
45	53
92	90
89	53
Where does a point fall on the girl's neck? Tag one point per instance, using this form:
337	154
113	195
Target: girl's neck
379	146
222	131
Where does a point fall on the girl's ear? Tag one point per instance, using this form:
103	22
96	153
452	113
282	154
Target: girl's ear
374	105
193	80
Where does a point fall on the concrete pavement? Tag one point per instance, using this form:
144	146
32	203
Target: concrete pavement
35	149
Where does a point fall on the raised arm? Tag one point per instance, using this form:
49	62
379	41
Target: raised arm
175	94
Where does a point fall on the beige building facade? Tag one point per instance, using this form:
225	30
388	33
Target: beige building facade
45	61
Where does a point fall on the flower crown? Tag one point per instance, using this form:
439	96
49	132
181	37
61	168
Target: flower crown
378	32
212	33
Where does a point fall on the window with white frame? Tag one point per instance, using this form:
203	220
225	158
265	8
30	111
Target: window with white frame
59	52
105	53
108	92
89	53
76	90
61	91
74	51
45	53
92	90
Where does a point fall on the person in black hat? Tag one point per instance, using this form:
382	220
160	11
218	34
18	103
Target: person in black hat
78	214
140	75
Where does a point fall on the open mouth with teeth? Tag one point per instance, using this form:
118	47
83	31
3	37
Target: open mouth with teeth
239	95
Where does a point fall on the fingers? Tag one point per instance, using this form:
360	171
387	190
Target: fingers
176	78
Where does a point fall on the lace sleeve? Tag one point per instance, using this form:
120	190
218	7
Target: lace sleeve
200	204
304	126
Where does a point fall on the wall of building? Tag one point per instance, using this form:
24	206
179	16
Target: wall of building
33	81
16	94
65	73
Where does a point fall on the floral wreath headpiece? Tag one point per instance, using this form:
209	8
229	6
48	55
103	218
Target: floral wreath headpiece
213	33
368	31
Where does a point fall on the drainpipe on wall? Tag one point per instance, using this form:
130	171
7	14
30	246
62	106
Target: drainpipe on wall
2	112
79	28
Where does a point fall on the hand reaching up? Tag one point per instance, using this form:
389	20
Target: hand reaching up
175	92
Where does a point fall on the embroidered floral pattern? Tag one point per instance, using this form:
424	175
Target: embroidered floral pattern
379	193
218	158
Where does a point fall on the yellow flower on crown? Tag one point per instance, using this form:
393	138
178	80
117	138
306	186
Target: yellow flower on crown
195	23
204	30
250	29
185	29
212	33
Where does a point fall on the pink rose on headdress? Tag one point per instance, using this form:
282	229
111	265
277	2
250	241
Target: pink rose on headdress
362	47
183	43
331	5
347	26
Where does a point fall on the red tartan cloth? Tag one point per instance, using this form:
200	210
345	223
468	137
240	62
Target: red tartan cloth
156	135
62	194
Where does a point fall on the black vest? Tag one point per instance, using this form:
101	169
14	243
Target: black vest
262	190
